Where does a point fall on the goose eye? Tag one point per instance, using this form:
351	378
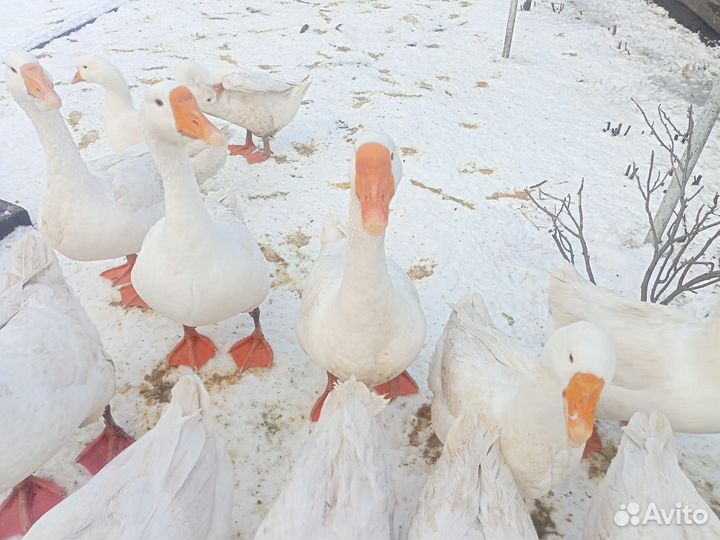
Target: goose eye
13	70
572	359
84	67
392	156
159	102
208	100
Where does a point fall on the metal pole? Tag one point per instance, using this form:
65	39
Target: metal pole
675	190
510	28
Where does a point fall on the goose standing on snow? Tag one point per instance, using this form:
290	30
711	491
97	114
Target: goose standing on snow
122	120
175	482
88	213
667	361
360	314
543	410
339	486
471	493
199	264
55	378
257	102
646	472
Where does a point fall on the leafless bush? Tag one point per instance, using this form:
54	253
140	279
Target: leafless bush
685	255
565	219
682	256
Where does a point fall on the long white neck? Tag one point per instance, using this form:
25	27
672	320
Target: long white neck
366	278
117	94
184	207
62	156
537	405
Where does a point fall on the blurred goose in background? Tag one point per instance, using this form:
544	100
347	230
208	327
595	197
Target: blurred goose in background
175	482
55	378
199	264
339	486
122	120
543	410
471	493
360	314
666	361
255	101
90	212
646	472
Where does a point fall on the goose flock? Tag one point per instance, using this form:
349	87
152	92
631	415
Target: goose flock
513	426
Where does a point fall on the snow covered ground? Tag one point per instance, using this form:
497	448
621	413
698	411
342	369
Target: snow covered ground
471	125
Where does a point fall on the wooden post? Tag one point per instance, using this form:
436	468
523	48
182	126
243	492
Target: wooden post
700	134
510	28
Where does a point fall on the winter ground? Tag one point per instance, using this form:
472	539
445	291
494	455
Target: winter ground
472	127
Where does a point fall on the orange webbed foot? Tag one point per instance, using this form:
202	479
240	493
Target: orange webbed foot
194	350
402	385
27	503
104	448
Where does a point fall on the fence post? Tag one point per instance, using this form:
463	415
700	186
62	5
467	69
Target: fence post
510	28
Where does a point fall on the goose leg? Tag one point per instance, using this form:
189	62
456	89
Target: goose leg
243	149
254	351
129	297
402	385
317	408
593	444
194	350
261	155
120	275
104	448
27	502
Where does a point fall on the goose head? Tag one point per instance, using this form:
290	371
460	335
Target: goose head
29	83
96	69
200	80
375	171
171	113
582	358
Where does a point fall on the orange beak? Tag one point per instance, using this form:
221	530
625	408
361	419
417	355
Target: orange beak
581	398
189	119
39	86
374	186
218	89
77	78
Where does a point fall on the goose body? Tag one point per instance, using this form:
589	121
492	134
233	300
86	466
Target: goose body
667	361
543	411
174	482
471	493
339	486
646	472
95	211
255	101
259	103
123	125
55	373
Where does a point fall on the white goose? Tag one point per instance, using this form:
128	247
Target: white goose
122	120
339	486
360	314
199	264
645	479
55	378
543	410
175	482
88	213
667	361
257	102
471	493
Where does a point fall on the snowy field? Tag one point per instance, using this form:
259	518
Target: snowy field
472	128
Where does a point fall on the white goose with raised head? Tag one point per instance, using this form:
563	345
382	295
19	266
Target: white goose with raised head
360	314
